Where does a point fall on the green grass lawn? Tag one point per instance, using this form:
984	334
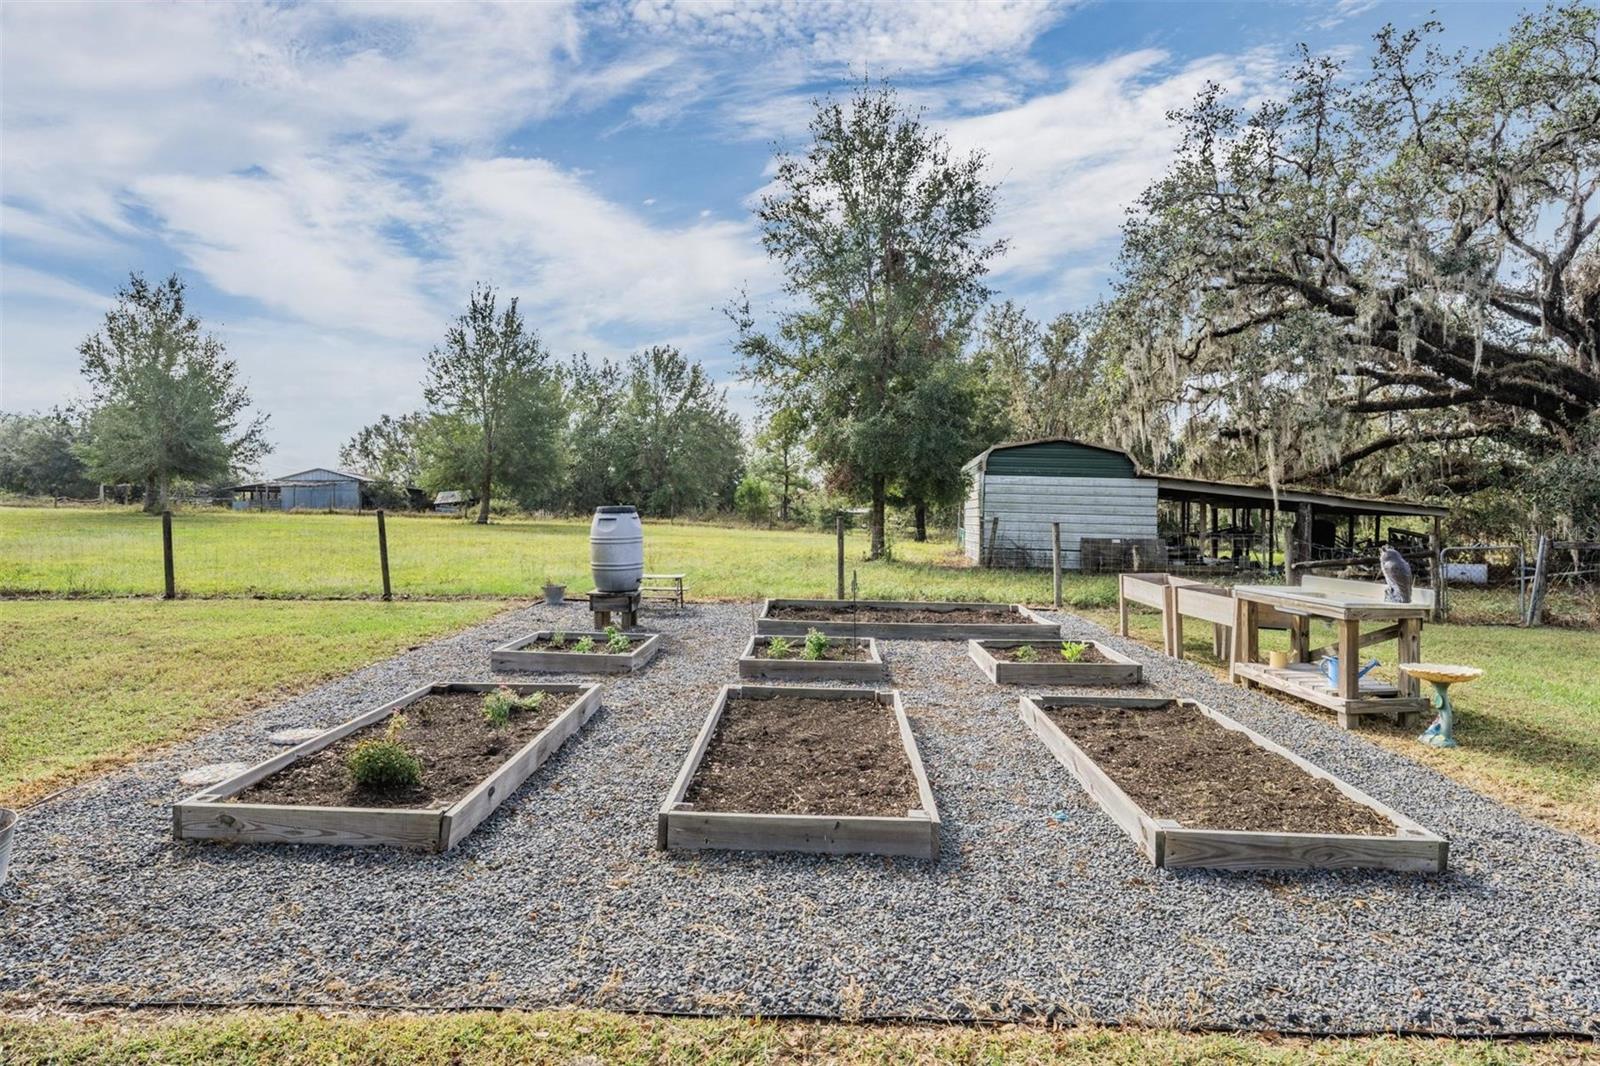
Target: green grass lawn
1529	729
574	1036
87	684
117	552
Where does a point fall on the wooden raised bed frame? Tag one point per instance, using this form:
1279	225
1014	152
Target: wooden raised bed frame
1413	848
1118	669
1028	625
916	834
872	668
517	656
207	815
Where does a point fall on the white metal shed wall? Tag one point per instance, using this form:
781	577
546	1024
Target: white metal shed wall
1085	507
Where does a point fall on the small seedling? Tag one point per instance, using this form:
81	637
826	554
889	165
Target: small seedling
1072	650
385	765
558	639
1027	654
816	644
499	705
585	645
778	648
616	640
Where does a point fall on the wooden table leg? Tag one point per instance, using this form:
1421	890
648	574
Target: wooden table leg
1177	628
1349	659
1410	649
1242	623
1122	606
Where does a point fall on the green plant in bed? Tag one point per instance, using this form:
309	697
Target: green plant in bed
385	764
1073	650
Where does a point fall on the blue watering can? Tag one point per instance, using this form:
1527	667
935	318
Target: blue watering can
1330	669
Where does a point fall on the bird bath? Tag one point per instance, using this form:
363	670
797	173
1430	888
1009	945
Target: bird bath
1442	733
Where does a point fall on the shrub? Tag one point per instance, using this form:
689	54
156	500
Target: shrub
1027	654
616	640
1072	650
816	644
385	765
499	705
778	648
585	645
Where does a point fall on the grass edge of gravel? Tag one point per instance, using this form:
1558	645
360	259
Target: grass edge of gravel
306	1036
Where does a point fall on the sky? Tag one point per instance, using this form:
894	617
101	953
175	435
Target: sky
331	179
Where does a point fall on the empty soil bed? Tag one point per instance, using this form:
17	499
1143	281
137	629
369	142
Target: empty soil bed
447	732
835	652
863	613
1046	653
789	755
1176	763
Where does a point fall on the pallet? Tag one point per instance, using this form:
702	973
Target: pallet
1028	625
1119	670
872	668
1413	848
680	827
1305	682
515	657
207	815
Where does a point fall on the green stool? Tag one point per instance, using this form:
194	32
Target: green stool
1442	733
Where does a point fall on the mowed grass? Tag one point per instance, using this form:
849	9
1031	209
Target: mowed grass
1529	728
87	684
586	1036
117	552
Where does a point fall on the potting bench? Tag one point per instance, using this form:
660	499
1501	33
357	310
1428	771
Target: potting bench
668	588
1294	608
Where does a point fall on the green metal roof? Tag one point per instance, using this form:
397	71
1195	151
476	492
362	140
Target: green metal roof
1056	458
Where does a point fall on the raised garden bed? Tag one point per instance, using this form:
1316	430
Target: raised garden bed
1006	663
903	620
789	768
845	659
540	653
1194	788
305	795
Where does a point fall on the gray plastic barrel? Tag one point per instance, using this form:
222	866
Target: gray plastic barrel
616	549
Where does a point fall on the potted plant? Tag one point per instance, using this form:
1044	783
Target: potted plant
8	827
553	593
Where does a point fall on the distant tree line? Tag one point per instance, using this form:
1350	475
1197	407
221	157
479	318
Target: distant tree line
505	422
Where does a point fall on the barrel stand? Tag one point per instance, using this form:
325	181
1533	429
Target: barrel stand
625	603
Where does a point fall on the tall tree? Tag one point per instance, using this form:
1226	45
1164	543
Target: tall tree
39	455
390	452
1404	264
879	231
1042	382
168	402
946	403
495	402
654	431
779	458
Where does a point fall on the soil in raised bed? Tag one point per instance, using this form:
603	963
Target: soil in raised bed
864	613
836	651
571	644
447	731
1048	654
789	755
1176	763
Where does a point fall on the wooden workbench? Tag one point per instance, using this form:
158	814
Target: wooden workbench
1294	608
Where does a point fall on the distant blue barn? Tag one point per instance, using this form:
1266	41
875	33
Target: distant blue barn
317	489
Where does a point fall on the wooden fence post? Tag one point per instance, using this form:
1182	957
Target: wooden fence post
838	533
166	556
1055	562
1541	579
383	554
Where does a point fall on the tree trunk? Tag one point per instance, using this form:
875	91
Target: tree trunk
153	503
488	483
920	509
879	498
783	501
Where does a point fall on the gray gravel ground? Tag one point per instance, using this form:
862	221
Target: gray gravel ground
1038	904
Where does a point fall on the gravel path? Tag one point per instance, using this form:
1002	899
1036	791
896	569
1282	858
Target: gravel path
1039	903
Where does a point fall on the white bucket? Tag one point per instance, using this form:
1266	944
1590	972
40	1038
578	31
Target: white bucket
616	549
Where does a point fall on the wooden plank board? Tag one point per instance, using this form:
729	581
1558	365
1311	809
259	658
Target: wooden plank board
516	657
680	827
1028	625
870	669
1341	587
208	814
1118	670
1412	847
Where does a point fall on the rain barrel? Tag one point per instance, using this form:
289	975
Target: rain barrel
616	549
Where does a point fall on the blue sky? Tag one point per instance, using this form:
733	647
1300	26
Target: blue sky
331	179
